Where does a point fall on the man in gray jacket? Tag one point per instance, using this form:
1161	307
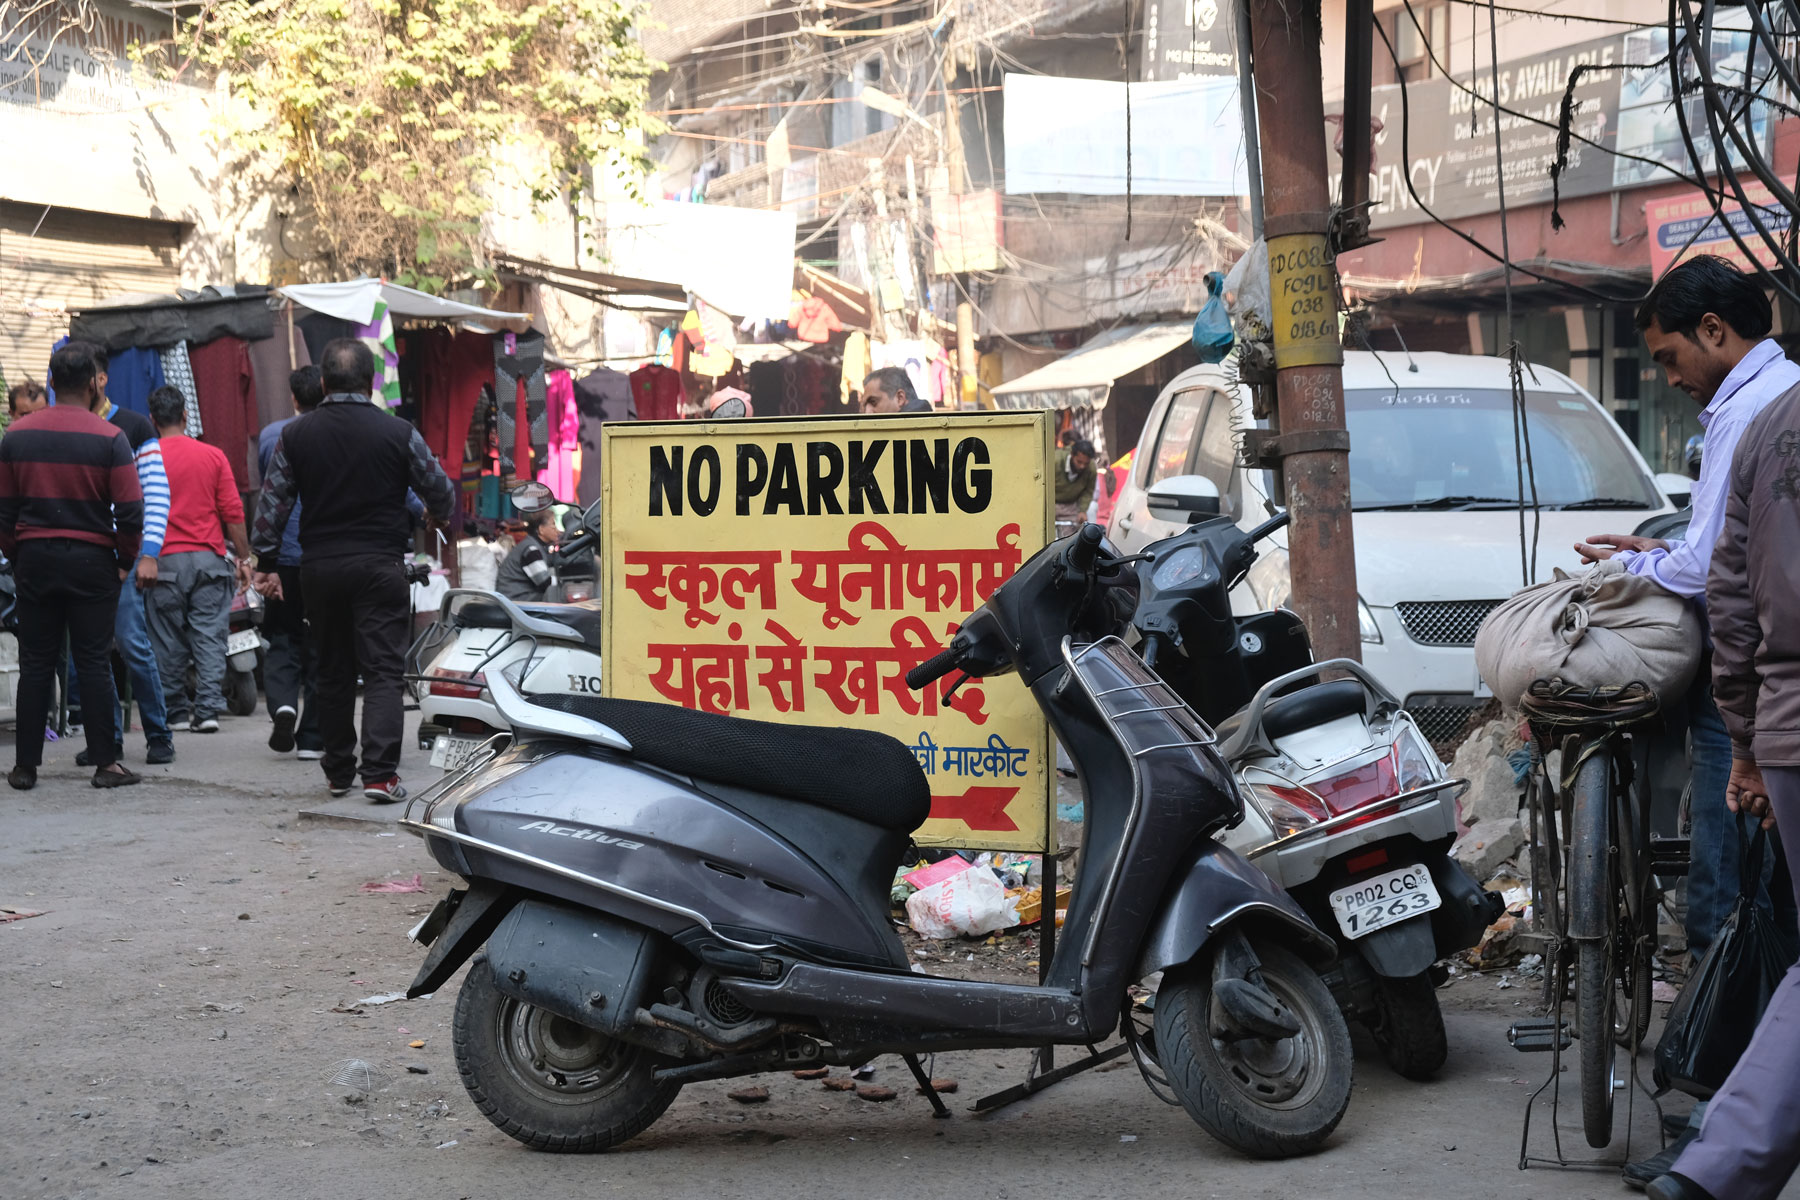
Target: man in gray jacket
1749	1145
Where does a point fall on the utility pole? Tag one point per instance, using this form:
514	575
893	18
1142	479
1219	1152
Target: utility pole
1312	447
959	182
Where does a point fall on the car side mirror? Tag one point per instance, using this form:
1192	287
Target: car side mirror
590	520
1677	487
1194	497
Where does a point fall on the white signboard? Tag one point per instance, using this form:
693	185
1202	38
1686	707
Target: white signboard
739	260
1069	135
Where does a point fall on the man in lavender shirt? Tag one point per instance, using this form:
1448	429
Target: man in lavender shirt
1706	324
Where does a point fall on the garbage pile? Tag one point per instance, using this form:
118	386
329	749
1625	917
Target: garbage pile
964	894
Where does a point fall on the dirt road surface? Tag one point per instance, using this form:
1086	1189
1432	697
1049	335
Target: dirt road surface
173	1021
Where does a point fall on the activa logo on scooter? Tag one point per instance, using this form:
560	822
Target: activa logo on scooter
579	833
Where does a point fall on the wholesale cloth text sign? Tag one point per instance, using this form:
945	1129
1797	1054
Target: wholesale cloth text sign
791	570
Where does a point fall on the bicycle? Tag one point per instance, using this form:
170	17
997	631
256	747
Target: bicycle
1594	868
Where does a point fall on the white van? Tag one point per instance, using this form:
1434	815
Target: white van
1434	483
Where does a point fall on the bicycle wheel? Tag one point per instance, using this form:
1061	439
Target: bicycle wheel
1593	906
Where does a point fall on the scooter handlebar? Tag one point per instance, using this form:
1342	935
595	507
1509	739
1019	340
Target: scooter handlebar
933	668
1084	549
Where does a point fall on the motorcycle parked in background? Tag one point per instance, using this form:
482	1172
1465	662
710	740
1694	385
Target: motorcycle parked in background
667	896
1346	804
556	645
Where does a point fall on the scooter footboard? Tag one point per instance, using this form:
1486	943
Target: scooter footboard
593	969
1215	888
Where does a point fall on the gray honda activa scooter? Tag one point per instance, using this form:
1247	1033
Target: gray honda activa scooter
666	896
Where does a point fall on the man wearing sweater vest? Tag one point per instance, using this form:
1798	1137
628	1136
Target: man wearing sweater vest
71	519
131	636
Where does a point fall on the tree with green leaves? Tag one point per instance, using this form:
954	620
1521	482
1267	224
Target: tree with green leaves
390	120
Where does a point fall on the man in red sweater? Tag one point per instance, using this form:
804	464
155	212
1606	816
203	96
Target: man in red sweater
71	519
190	608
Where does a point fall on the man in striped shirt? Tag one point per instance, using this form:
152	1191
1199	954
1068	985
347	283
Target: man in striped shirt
131	635
71	520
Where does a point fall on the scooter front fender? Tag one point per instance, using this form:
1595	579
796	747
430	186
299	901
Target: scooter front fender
1215	888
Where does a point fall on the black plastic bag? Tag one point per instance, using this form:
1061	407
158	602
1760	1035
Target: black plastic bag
1713	1019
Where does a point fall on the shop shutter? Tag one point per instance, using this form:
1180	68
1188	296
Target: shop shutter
63	258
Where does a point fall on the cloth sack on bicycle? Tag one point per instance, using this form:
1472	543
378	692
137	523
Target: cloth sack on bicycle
1603	626
1713	1019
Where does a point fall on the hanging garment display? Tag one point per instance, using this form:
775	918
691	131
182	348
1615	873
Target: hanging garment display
452	366
657	393
565	431
321	330
600	397
813	320
519	359
857	366
179	374
227	390
378	335
131	375
272	363
710	340
796	386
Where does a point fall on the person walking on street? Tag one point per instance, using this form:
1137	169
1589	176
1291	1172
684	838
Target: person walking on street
1073	480
131	631
1748	1147
1706	323
349	464
890	390
290	672
190	606
71	520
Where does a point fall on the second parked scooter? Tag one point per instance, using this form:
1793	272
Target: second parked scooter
1346	804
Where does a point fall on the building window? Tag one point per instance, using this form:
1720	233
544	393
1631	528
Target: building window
1416	52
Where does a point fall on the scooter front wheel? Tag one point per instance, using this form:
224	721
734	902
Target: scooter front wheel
547	1081
1267	1097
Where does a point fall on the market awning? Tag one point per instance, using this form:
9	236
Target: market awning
1083	378
354	300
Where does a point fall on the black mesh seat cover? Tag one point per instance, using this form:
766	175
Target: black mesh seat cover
857	772
584	618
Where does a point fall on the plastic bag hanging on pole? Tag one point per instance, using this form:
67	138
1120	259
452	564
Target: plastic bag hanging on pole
1212	328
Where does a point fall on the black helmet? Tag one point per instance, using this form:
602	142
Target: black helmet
1696	447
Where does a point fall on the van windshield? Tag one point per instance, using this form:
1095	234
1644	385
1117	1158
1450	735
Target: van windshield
1418	448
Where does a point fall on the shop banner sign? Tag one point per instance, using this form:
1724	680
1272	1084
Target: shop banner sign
1447	154
795	570
1685	225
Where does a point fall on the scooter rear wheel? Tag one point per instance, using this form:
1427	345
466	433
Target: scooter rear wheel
549	1082
1409	1026
1269	1098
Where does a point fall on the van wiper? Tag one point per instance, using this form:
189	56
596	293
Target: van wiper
1599	502
1438	504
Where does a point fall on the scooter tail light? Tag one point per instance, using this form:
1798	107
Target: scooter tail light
457	685
1365	785
1288	809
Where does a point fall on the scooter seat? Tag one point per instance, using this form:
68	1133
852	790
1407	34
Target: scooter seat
862	774
584	618
1307	707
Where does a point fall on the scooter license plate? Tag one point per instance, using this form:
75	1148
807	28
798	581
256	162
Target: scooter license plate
451	753
1383	900
242	640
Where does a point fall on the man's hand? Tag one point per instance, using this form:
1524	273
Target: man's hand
1605	545
268	584
146	573
245	574
1746	792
